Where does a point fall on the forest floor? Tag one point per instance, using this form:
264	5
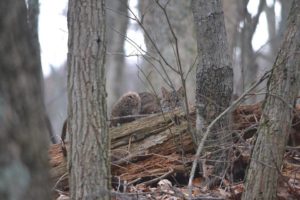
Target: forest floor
161	175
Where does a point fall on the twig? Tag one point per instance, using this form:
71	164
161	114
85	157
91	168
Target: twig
180	70
201	145
133	116
152	41
134	181
147	183
191	67
59	180
293	148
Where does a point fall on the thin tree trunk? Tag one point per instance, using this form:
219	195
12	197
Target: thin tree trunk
232	16
161	44
214	75
117	24
275	123
285	8
271	19
23	145
89	163
232	19
249	65
33	21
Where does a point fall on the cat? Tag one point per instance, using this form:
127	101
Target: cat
171	99
133	103
127	105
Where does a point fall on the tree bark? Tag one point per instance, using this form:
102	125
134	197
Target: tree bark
283	87
89	167
214	75
24	169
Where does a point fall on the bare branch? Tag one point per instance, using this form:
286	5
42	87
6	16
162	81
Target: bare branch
205	135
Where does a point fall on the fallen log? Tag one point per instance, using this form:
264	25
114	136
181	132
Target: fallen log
155	136
155	146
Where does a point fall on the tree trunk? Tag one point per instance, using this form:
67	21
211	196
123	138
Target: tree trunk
161	44
214	75
248	63
271	19
285	8
33	20
24	164
232	19
283	87
117	24
89	167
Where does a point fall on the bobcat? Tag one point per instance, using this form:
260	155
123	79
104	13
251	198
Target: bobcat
133	103
149	103
128	104
171	100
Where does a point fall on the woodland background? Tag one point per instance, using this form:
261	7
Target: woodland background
254	31
208	47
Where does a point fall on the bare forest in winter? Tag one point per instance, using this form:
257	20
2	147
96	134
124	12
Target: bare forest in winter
127	64
150	99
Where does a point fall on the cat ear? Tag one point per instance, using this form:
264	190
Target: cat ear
180	91
164	92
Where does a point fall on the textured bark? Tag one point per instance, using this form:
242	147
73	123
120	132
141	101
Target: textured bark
89	167
283	87
24	163
214	73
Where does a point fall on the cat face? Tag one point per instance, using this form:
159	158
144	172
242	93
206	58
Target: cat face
171	100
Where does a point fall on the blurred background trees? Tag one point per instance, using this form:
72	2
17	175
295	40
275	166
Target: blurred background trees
141	48
24	134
